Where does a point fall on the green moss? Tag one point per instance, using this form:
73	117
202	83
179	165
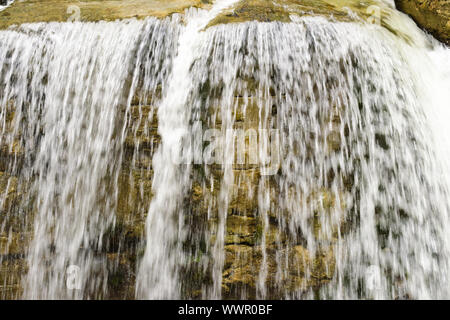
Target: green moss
109	10
259	233
241	230
11	272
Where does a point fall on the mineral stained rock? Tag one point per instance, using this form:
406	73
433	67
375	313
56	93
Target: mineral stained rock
29	11
431	15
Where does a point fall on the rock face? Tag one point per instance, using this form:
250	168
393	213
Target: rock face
30	11
431	15
66	10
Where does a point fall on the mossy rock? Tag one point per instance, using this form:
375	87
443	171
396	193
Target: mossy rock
143	131
14	243
121	275
11	148
243	265
278	10
9	191
135	194
369	12
30	11
241	230
11	272
33	11
431	15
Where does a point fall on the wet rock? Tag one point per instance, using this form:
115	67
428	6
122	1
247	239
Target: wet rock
11	147
249	10
110	10
279	10
11	272
121	276
143	130
243	110
14	244
134	199
241	230
243	195
431	15
246	266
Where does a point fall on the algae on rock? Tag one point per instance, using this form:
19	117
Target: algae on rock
91	10
431	15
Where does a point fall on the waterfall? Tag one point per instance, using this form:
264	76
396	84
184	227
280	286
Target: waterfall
64	75
158	274
349	147
301	160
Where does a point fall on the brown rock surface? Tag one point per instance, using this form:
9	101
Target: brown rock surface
91	10
431	15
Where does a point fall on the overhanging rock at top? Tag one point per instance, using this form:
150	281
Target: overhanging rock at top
29	11
371	11
86	10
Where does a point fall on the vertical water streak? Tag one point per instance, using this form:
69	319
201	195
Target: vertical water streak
79	94
158	273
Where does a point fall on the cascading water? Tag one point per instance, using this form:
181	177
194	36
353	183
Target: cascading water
74	69
291	160
158	273
346	138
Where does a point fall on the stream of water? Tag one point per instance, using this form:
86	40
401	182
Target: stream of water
349	186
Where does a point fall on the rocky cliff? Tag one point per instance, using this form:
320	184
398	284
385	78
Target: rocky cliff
66	10
30	11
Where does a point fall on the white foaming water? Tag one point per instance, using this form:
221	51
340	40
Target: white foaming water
364	176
